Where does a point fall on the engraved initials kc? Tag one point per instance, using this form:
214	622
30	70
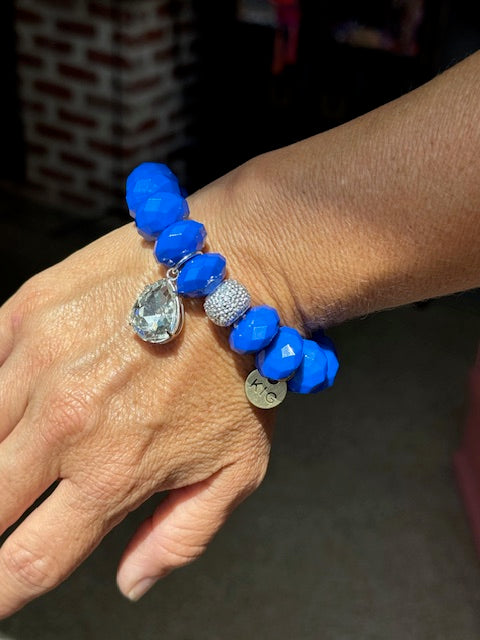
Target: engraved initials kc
261	389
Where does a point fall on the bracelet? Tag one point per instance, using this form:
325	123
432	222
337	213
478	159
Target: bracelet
284	359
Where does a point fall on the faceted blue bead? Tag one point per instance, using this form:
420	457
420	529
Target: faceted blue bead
282	356
147	179
201	275
178	240
158	212
332	360
146	169
255	330
311	375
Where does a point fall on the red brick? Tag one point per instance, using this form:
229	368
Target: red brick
57	4
166	54
108	59
161	100
52	44
168	137
54	133
32	17
108	189
36	149
31	105
115	14
112	150
143	84
77	73
77	199
76	118
77	161
152	35
167	10
52	89
108	104
147	125
75	27
28	60
55	174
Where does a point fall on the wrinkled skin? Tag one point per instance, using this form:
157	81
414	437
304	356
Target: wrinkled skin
117	420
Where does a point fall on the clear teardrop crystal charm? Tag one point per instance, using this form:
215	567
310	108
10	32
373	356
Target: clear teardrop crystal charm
157	315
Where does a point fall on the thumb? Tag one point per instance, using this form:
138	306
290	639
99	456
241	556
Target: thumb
180	529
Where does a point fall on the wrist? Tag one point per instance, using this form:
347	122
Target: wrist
241	216
280	238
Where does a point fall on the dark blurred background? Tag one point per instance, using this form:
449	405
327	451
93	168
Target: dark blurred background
358	531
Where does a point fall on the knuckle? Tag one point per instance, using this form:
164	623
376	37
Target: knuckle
66	413
30	295
40	355
175	554
28	567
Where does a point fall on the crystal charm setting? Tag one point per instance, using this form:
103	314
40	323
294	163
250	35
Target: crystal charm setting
157	315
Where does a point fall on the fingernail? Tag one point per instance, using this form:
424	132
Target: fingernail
141	588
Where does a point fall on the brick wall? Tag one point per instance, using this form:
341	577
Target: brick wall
102	87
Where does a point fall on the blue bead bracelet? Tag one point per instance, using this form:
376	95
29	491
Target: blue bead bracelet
283	358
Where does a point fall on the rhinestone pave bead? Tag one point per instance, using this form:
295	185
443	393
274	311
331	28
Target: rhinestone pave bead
227	303
147	179
282	356
157	315
201	275
311	375
179	240
256	330
158	212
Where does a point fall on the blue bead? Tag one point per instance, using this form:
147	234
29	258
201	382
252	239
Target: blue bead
201	275
255	330
158	212
332	360
311	375
146	169
147	179
178	240
282	356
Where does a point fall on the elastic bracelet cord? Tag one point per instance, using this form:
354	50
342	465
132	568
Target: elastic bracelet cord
283	358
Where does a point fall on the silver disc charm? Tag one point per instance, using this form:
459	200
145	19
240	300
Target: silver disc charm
157	315
263	392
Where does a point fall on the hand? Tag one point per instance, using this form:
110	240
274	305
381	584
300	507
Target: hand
84	401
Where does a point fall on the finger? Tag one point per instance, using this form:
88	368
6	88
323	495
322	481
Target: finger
15	380
27	470
179	530
48	546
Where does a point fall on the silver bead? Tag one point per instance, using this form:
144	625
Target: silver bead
227	303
